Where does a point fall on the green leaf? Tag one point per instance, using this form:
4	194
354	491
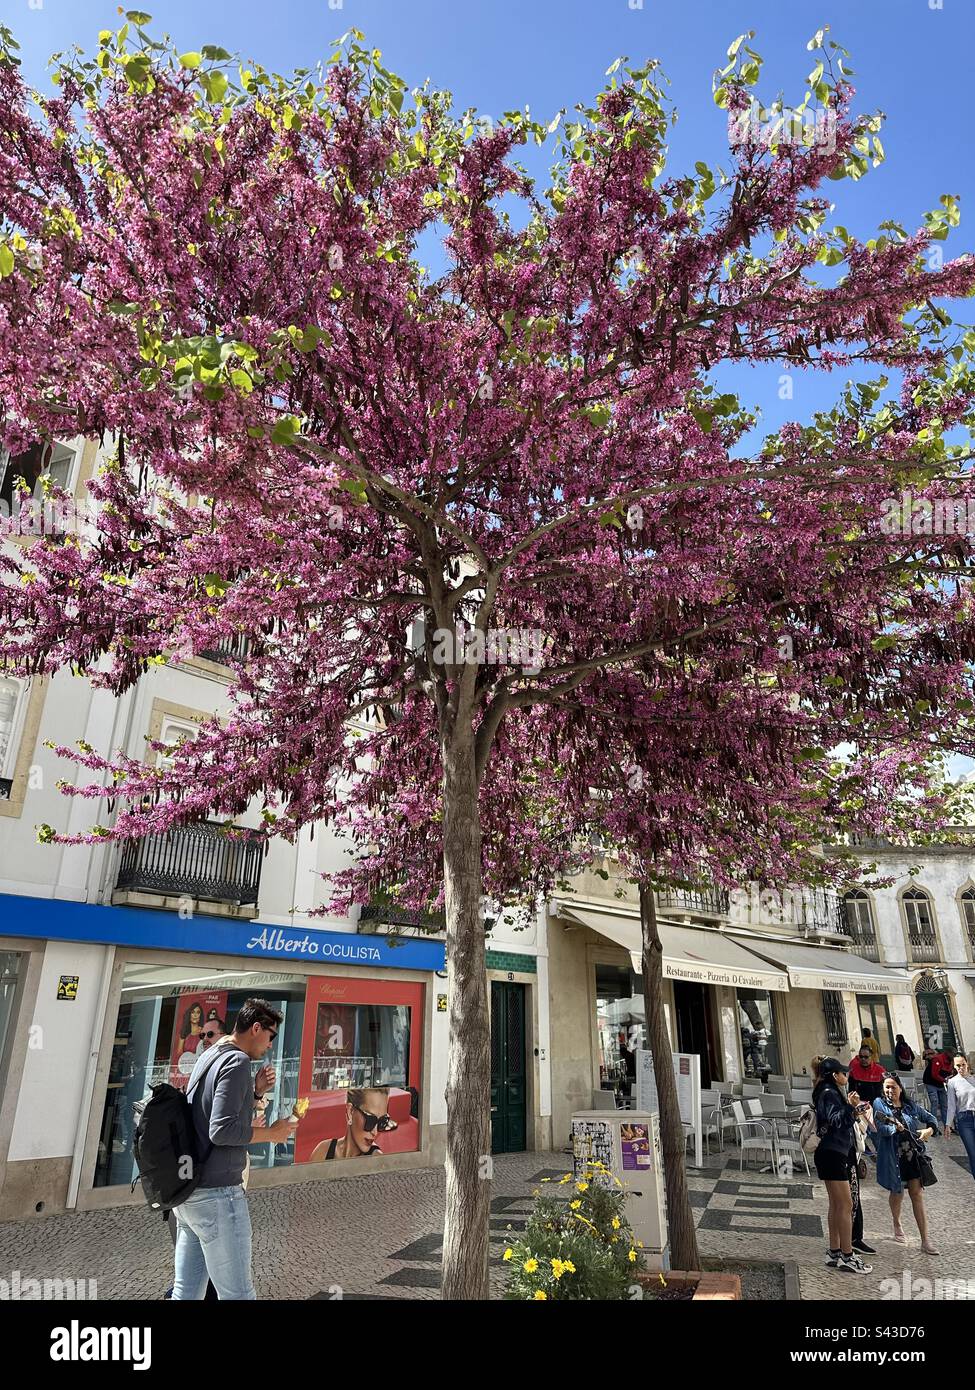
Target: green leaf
190	60
355	489
613	67
215	55
883	644
285	430
138	17
6	261
215	84
739	41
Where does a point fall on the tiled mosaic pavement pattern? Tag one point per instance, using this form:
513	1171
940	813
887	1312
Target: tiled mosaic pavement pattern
378	1236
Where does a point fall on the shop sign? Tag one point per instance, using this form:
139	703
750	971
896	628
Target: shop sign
68	987
57	920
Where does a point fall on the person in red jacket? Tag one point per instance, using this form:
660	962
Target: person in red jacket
866	1075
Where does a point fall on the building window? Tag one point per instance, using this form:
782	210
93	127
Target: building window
968	917
13	701
921	937
759	1034
859	924
55	460
836	1030
621	1025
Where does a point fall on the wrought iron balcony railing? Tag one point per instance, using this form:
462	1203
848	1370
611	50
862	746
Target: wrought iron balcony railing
227	650
195	861
822	914
6	788
707	901
384	910
923	947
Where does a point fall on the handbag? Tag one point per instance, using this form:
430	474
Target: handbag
918	1162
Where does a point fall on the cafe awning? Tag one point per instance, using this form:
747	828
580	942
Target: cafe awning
702	956
822	967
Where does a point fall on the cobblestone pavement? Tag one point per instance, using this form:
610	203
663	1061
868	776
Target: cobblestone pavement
378	1236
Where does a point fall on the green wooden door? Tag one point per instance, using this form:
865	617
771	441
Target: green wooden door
937	1024
508	1068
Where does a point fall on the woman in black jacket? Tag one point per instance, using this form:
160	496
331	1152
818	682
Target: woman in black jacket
835	1153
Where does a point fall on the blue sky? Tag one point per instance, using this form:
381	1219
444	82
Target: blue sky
912	60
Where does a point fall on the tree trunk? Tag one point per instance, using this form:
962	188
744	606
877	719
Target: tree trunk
680	1217
465	1243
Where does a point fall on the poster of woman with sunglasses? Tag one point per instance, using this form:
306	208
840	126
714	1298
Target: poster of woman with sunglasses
360	1069
195	1011
368	1117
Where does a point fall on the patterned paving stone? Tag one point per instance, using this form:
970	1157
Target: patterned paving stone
378	1236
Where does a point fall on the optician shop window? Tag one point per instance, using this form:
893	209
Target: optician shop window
348	1046
759	1032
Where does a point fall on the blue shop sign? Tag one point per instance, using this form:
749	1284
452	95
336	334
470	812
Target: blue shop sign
55	920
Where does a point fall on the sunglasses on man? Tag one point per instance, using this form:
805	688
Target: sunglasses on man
371	1121
212	1033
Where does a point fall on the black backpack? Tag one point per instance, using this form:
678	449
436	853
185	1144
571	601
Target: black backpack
165	1148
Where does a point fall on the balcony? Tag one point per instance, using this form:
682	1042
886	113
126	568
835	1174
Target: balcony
383	910
821	914
923	947
193	862
6	787
226	651
706	901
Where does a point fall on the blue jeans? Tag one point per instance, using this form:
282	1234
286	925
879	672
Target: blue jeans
938	1097
965	1129
214	1239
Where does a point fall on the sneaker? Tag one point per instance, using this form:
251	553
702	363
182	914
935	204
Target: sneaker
863	1247
852	1264
832	1259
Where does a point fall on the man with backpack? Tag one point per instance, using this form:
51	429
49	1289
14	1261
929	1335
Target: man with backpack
214	1227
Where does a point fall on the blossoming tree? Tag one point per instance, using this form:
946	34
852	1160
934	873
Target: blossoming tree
470	506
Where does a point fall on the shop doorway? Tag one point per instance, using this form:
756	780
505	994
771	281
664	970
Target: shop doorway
695	1028
508	1068
875	1015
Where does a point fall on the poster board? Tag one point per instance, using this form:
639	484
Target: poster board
687	1075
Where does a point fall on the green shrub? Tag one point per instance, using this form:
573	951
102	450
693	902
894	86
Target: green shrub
576	1245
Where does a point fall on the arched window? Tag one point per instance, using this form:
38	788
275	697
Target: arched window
922	939
860	924
968	917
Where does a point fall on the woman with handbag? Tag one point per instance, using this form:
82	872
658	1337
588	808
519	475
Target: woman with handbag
835	1157
902	1160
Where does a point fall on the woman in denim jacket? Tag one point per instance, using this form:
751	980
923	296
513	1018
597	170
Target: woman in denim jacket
895	1117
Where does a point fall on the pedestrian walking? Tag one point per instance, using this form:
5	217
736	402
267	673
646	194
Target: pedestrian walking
961	1107
868	1040
902	1128
213	1224
903	1054
835	1155
939	1066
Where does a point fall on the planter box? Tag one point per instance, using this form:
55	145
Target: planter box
710	1287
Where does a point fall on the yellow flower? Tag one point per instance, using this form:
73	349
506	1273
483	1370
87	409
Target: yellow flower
540	1294
632	1257
508	1254
616	1223
582	1186
563	1181
574	1206
568	1266
558	1269
530	1266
